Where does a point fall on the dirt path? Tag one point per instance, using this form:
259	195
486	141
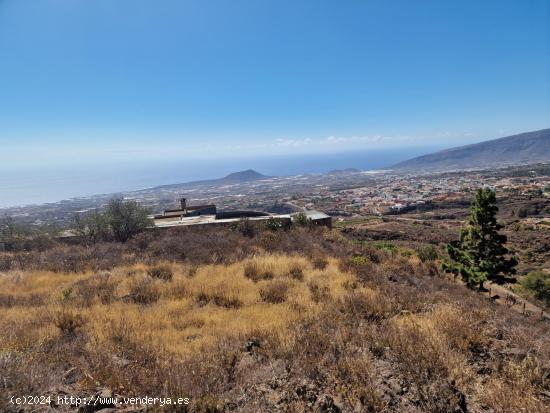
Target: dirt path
504	296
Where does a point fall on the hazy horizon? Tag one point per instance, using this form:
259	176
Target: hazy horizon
45	185
87	84
416	283
131	80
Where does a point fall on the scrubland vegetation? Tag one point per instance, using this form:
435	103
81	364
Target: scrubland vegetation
304	320
536	284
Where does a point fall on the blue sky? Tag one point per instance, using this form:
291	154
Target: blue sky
110	80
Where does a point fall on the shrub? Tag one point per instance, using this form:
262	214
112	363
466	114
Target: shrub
428	253
162	272
319	262
406	253
318	293
142	241
274	292
359	265
358	260
227	301
98	287
269	240
130	344
209	404
371	253
221	296
296	272
538	284
92	227
372	307
31	300
386	245
126	218
302	220
273	224
6	262
13	235
253	272
66	294
246	228
144	291
68	322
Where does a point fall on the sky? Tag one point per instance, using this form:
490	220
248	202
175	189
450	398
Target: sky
89	82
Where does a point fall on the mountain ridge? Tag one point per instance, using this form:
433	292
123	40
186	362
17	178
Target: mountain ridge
523	148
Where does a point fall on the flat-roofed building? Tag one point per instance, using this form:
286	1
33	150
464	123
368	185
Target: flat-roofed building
207	214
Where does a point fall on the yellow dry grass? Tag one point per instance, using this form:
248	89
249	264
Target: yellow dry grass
128	314
194	310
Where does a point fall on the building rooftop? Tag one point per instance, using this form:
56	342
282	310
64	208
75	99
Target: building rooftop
209	219
171	218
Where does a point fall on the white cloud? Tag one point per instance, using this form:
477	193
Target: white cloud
294	142
351	141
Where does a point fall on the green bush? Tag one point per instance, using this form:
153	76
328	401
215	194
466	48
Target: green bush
92	227
127	218
428	253
406	253
538	284
358	260
386	245
302	220
273	224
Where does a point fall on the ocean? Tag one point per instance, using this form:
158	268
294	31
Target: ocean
35	185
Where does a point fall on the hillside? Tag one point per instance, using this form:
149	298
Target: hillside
523	148
304	320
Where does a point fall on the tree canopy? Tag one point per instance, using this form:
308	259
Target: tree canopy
126	218
121	220
480	253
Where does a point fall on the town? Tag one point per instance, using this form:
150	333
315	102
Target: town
340	194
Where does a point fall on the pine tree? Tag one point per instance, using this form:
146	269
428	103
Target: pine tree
480	253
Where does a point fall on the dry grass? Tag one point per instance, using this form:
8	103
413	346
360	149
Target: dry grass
374	333
162	272
185	312
275	292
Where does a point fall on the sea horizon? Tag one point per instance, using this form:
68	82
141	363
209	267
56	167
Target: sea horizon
34	186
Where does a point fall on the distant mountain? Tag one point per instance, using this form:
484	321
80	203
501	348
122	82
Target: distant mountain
525	148
243	176
233	178
346	171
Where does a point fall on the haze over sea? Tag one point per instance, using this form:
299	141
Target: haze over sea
42	185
